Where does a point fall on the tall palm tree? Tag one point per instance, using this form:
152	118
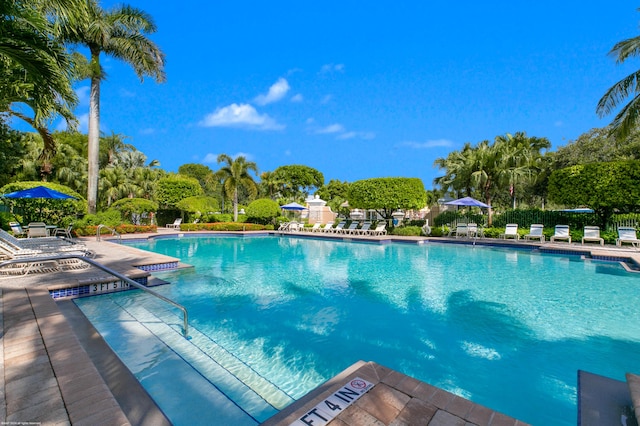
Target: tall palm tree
235	174
627	118
121	33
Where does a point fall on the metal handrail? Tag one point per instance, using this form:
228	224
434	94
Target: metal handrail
185	314
113	232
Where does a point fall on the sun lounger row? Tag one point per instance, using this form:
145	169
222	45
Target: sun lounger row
352	229
626	234
14	247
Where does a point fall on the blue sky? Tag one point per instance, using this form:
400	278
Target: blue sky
360	90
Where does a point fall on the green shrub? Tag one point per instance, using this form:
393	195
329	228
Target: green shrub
109	218
412	231
128	207
262	211
222	226
198	205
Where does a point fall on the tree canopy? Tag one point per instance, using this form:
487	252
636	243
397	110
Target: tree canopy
297	181
387	195
607	188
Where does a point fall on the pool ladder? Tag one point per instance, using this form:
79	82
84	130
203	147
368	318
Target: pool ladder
113	232
185	314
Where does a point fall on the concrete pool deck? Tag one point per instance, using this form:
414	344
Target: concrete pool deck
52	375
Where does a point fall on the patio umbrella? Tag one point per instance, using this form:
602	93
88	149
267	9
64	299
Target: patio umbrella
467	201
293	207
39	192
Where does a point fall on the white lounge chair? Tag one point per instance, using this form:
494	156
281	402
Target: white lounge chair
474	231
63	232
627	235
327	228
510	231
364	229
353	226
561	233
339	227
314	228
17	229
175	225
380	229
535	232
592	234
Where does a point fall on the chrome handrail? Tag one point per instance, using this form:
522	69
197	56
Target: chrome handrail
185	314
113	232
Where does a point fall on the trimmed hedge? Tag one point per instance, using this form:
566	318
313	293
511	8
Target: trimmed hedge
91	230
223	226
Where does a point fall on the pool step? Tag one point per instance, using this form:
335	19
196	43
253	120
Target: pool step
253	393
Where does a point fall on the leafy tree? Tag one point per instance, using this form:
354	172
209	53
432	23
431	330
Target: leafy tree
111	146
335	193
12	148
134	207
262	211
627	118
204	174
198	205
270	185
387	195
120	33
298	181
597	145
605	187
235	175
173	188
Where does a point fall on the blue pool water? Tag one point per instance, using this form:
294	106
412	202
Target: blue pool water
505	328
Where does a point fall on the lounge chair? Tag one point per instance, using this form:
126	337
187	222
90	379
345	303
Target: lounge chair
364	229
453	231
462	230
339	227
511	231
283	226
16	228
327	228
627	235
380	229
474	231
45	244
535	232
353	226
175	225
314	228
561	233
37	230
592	234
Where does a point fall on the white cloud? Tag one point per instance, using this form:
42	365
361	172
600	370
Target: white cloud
357	135
332	128
558	123
326	99
212	158
240	115
127	93
433	143
82	93
147	131
297	98
83	124
276	92
331	68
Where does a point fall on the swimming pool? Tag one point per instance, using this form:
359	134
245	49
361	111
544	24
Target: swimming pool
506	328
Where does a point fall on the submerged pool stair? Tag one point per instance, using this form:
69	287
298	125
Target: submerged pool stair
234	378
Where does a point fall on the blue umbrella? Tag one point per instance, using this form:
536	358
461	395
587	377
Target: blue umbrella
293	207
39	192
467	201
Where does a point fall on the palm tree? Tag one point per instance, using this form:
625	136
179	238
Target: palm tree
120	33
235	174
627	118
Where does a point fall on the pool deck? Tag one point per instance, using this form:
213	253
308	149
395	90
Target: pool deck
49	373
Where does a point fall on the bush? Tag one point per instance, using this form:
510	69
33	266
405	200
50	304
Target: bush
263	211
134	207
198	205
412	231
222	226
91	230
111	218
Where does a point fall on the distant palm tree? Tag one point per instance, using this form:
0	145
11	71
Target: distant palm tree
120	33
627	119
235	174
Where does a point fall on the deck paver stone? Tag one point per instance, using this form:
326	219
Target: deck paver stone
443	418
480	414
441	398
355	415
416	412
459	406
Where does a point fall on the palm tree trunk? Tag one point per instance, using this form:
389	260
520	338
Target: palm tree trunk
94	144
235	205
